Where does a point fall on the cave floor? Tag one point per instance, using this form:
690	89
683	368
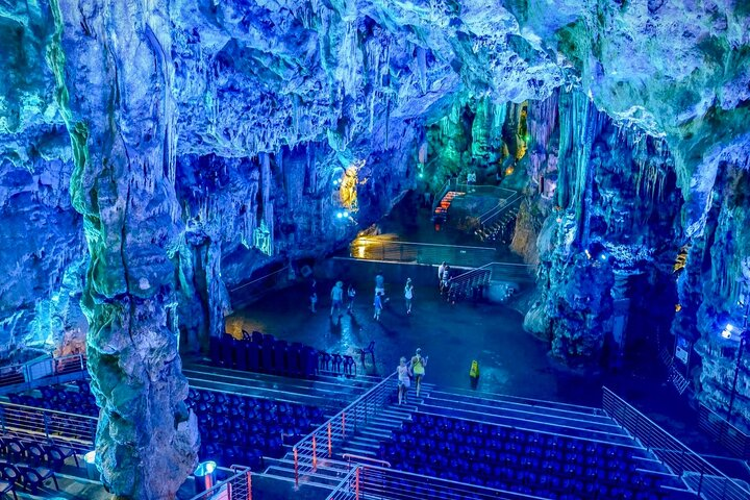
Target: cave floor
511	361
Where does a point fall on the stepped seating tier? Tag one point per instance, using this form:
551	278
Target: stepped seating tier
240	430
546	465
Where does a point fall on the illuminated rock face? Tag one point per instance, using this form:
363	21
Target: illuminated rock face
166	140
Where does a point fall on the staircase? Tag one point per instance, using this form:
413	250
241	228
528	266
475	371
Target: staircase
440	212
499	228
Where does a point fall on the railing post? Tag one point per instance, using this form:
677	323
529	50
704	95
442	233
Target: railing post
314	454
2	419
330	440
343	425
45	416
296	468
356	483
249	486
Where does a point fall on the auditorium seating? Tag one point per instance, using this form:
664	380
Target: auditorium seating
234	429
239	429
75	398
259	352
29	464
528	462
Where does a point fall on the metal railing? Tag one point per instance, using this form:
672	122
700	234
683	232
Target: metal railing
498	271
72	430
40	371
491	215
375	248
320	443
366	481
234	483
266	281
705	479
726	434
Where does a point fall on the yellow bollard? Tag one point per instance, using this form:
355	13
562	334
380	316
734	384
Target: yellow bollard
474	372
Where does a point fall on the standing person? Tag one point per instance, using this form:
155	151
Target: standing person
418	364
445	282
441	271
403	380
408	294
351	294
378	304
337	297
313	296
379	283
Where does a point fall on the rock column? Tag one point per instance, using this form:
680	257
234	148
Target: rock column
111	59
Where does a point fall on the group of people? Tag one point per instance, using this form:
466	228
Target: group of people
337	297
415	369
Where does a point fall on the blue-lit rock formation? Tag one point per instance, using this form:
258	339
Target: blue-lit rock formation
174	148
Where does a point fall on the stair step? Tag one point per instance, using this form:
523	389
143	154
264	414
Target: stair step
316	478
365	452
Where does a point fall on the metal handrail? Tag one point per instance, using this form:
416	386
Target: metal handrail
41	369
489	215
75	431
491	267
727	434
365	481
699	474
374	248
256	280
361	458
319	443
238	485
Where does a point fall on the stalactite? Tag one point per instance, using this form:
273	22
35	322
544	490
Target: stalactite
422	64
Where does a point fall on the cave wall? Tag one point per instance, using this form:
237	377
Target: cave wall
604	212
150	141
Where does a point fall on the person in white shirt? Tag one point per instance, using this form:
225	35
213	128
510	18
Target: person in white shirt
408	294
337	298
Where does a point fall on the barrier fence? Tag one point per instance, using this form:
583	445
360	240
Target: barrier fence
234	483
376	248
320	443
74	431
728	435
366	481
705	479
35	371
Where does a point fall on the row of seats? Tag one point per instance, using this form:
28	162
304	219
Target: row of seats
263	353
72	398
545	465
34	453
239	429
29	465
258	352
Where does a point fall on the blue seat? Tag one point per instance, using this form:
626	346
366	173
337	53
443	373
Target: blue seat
253	356
280	363
241	355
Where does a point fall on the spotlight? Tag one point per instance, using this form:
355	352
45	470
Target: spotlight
729	327
588	254
727	334
346	214
339	215
603	256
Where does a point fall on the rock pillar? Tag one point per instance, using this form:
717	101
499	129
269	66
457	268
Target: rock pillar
111	60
